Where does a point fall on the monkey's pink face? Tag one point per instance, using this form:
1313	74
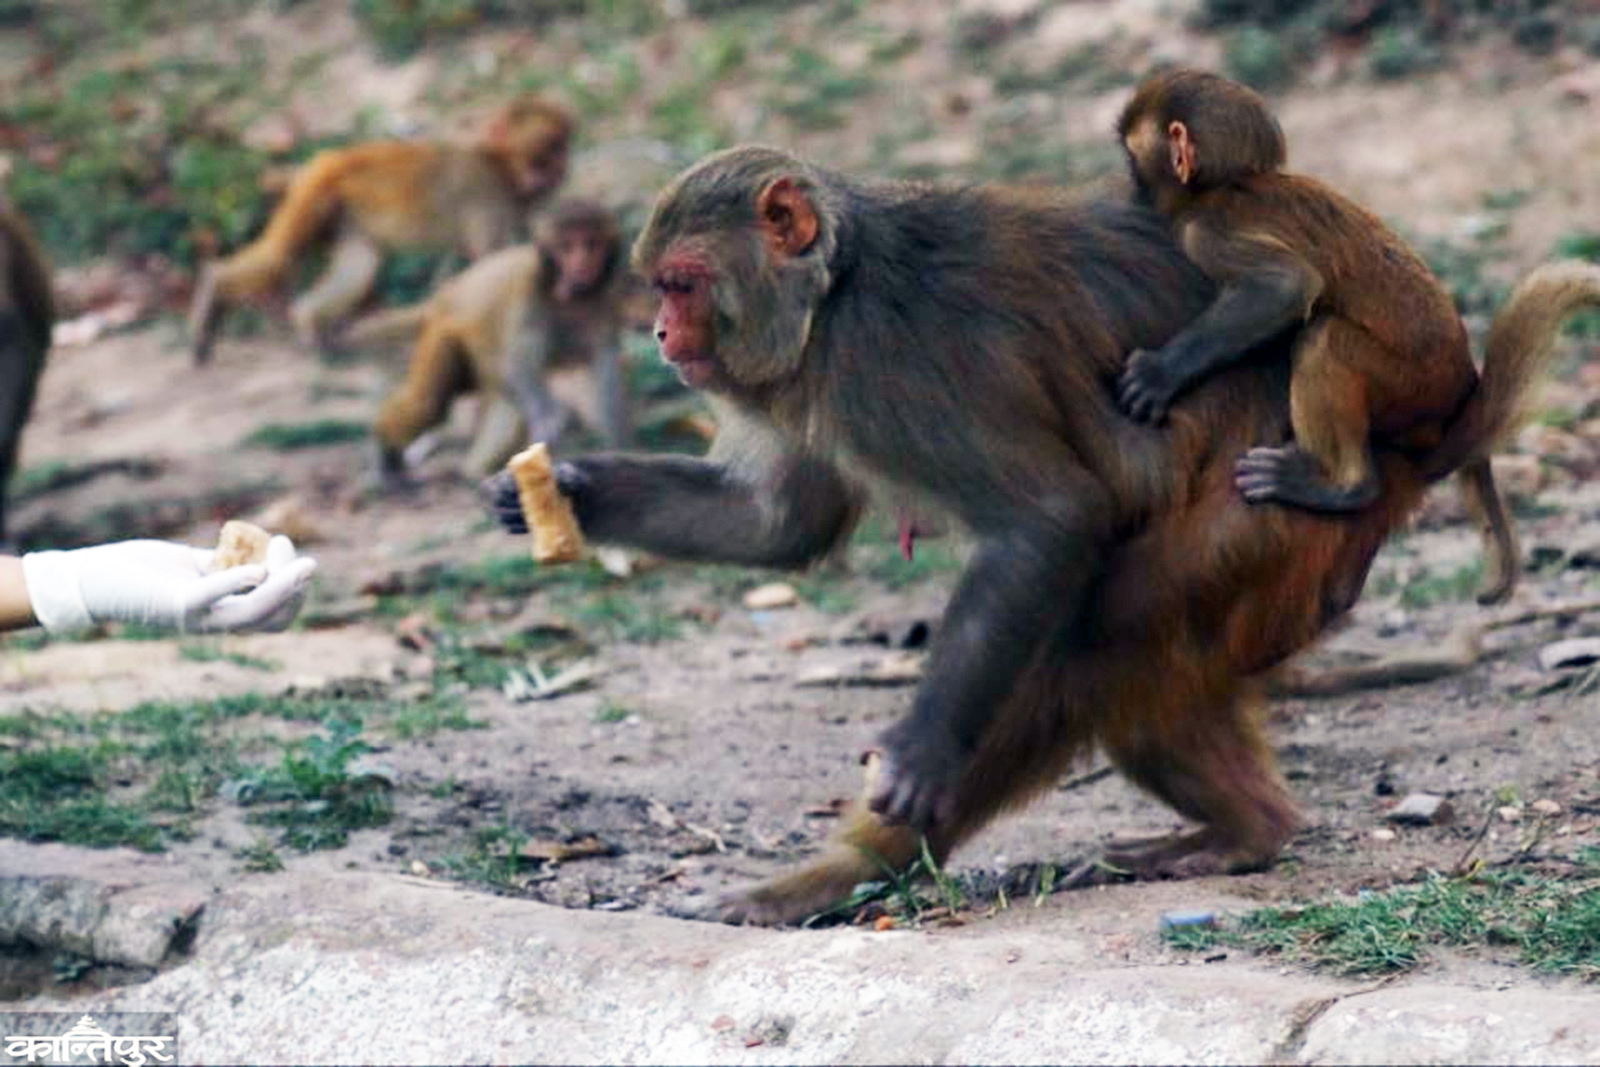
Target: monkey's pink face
540	172
582	256
685	321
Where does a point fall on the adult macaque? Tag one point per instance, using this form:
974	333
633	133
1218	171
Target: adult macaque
962	346
503	328
27	315
1382	355
388	195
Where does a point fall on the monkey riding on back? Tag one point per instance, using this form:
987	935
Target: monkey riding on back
1380	355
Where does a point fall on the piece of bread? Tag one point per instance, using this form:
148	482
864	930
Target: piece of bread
556	536
241	543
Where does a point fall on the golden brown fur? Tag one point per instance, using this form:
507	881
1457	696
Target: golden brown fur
389	195
503	328
1383	355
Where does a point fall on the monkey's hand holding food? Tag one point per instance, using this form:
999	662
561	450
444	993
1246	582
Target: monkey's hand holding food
1147	386
503	496
169	586
556	536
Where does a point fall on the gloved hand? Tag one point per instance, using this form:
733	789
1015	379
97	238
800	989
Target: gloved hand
165	585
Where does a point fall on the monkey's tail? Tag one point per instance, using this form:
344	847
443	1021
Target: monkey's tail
390	328
309	205
1521	339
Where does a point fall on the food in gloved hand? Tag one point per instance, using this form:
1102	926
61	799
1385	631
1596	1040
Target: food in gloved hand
241	543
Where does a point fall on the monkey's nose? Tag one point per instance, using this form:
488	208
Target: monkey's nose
661	336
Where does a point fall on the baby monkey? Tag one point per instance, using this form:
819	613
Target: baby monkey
1381	353
504	328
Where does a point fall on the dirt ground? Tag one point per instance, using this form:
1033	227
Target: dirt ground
719	768
697	761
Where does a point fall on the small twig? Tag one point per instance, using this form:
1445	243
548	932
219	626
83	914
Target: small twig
1078	781
1483	831
1461	650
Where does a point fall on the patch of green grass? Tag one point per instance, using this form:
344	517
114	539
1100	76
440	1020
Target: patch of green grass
896	572
315	801
125	159
1553	924
1429	589
816	93
1505	199
200	651
58	794
611	711
1258	57
625	615
1460	268
288	437
495	859
1402	52
679	117
424	718
137	776
827	593
261	857
401	28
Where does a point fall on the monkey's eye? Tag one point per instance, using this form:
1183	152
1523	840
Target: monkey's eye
675	284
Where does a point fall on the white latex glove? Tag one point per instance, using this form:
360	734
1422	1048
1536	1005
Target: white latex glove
165	585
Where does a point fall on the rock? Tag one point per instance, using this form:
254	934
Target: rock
1574	652
1520	476
1190	918
617	562
1546	808
1422	809
902	669
1382	834
371	770
770	596
1509	813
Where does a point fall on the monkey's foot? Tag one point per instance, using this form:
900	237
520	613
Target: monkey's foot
1293	476
1146	387
917	778
205	315
1192	854
789	899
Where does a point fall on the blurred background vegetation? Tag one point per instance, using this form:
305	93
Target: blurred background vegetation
163	128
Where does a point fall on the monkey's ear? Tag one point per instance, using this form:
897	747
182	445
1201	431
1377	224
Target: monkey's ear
1182	151
787	217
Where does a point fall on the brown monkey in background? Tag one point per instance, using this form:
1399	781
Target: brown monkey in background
388	195
959	346
1383	354
503	328
27	315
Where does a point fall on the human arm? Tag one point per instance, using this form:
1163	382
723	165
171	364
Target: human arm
156	583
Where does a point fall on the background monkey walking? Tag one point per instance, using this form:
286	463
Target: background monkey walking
389	195
503	328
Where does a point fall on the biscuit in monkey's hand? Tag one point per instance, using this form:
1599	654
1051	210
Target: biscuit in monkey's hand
240	544
556	536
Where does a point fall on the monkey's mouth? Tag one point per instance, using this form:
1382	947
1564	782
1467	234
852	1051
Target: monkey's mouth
693	371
